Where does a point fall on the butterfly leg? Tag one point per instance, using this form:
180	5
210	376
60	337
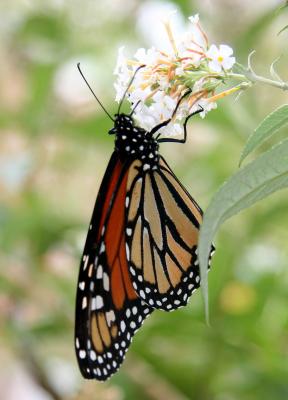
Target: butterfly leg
185	128
165	123
159	126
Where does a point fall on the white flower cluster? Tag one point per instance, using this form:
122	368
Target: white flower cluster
191	64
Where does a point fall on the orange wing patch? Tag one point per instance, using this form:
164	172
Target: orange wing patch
114	239
113	182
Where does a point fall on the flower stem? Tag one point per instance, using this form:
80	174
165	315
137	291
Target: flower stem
254	78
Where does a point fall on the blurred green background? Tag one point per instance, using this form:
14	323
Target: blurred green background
54	149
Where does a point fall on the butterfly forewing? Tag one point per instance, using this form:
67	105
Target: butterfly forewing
108	310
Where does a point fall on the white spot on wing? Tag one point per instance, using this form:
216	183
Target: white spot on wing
132	324
84	302
99	273
85	263
127	252
106	281
97	303
82	354
122	326
134	310
110	316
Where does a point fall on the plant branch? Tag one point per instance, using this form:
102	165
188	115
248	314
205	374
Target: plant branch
250	75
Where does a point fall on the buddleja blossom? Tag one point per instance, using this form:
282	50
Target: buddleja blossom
192	63
220	58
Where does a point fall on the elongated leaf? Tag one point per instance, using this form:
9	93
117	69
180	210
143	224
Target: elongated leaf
271	124
263	176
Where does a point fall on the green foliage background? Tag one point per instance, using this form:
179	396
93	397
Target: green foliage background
53	153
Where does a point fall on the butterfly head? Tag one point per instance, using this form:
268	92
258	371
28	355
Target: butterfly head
133	141
122	122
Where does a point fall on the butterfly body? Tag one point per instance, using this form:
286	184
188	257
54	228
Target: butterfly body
140	252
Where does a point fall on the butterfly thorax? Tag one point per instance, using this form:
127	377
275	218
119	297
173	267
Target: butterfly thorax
133	142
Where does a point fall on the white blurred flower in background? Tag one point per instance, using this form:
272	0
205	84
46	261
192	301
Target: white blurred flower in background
260	259
150	18
68	84
16	162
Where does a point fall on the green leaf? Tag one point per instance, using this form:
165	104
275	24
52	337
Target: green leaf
271	124
263	176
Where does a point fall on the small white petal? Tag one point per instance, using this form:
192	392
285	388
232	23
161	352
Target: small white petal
194	19
212	52
226	50
228	62
215	66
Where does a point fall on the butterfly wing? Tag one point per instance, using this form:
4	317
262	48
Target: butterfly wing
162	232
108	310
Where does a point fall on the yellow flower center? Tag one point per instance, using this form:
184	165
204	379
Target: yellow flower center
220	59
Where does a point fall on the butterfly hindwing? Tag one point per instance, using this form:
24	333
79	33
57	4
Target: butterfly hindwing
162	234
108	310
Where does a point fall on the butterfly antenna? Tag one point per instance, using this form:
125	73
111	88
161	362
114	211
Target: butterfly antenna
91	90
128	87
134	108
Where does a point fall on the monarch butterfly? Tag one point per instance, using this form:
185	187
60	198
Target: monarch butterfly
141	248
